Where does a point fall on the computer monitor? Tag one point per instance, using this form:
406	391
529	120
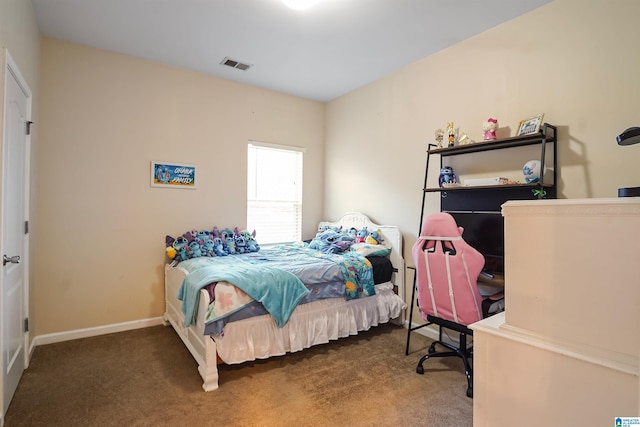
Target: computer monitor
484	231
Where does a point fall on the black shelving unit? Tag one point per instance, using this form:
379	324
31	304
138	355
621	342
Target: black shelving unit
491	197
488	198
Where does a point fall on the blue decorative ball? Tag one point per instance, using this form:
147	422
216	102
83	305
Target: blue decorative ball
531	171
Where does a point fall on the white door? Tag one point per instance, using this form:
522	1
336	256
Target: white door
14	242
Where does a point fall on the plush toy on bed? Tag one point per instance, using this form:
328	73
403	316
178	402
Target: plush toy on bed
206	246
331	242
323	242
177	248
374	238
240	241
226	233
198	243
218	246
353	233
220	239
361	235
201	235
193	249
228	240
170	250
322	229
230	245
325	228
250	238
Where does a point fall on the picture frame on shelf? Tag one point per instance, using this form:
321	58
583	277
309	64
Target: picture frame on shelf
529	126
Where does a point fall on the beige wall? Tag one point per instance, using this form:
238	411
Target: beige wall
104	118
19	33
20	36
576	61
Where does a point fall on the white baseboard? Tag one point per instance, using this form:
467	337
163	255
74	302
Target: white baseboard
427	331
92	332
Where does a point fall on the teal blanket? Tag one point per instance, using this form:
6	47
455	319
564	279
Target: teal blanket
256	280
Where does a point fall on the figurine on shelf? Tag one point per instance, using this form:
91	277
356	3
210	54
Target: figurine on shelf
464	139
489	127
447	177
451	133
439	133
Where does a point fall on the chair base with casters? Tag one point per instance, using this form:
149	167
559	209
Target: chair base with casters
462	351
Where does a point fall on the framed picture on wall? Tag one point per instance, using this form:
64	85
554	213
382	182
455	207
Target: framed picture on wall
529	126
172	175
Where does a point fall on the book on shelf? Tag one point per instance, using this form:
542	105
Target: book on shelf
475	182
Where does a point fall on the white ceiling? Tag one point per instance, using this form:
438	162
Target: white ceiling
319	54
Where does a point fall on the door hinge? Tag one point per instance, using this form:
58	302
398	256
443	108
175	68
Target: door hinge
26	227
26	324
29	123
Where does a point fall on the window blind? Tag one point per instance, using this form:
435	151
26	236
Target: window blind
274	193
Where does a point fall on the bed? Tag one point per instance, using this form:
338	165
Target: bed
212	338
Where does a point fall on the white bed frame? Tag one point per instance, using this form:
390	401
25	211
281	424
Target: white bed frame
204	348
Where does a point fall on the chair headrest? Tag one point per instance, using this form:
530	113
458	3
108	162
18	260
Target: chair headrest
441	224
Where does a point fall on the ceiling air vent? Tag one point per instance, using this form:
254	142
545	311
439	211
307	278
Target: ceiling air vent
235	64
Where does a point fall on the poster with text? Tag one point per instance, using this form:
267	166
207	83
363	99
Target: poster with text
171	175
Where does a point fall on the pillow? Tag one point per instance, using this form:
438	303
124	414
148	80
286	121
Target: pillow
366	249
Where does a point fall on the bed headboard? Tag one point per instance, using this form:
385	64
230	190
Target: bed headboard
392	238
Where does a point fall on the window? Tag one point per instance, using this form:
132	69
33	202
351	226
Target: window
274	193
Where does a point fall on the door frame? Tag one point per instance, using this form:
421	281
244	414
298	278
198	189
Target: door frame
9	66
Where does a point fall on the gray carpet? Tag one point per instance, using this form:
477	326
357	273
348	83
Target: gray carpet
147	377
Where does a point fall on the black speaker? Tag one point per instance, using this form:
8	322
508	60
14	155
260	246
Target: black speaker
629	192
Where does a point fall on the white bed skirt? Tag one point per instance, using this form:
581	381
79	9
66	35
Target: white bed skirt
311	324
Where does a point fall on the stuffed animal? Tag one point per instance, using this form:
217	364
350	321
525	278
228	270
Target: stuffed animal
325	242
361	235
240	241
193	249
331	242
352	232
169	249
206	246
447	176
171	252
202	234
230	245
489	127
226	232
322	229
180	245
374	238
218	246
219	242
252	245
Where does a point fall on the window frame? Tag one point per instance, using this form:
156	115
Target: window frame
289	233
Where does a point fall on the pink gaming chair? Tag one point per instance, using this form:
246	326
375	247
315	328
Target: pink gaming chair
447	270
